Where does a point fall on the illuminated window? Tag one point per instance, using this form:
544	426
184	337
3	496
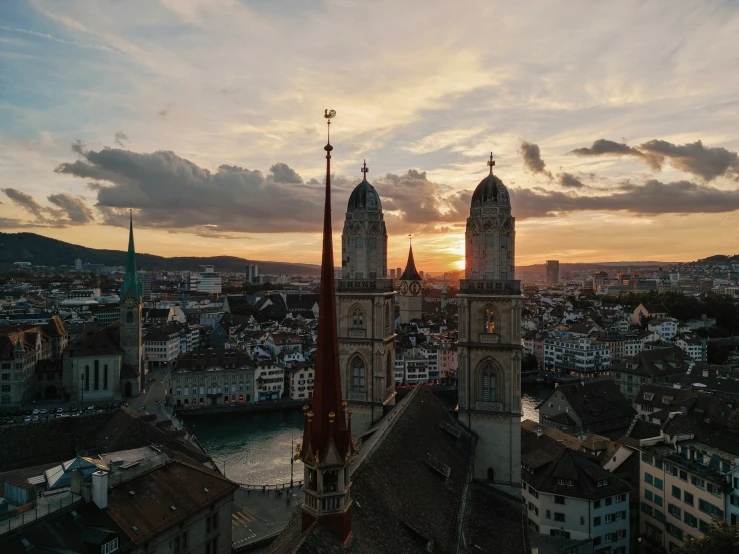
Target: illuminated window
489	321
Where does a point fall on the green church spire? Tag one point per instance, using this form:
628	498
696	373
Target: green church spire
131	280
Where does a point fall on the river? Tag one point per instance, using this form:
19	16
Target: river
254	448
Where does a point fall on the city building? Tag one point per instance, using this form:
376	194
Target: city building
78	264
666	327
208	281
409	297
586	407
649	311
489	349
252	273
213	377
103	364
573	504
416	371
366	307
300	381
580	357
270	381
414	453
694	346
659	366
552	272
145	279
162	346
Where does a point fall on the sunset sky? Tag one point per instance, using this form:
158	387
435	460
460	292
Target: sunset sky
615	125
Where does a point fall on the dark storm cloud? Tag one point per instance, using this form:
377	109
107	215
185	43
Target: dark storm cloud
652	198
26	202
604	147
707	163
78	147
532	159
120	136
74	208
569	180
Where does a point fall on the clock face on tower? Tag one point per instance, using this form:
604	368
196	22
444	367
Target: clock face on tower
415	288
403	288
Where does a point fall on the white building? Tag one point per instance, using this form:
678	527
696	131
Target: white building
693	345
431	353
416	370
667	327
580	357
570	497
213	377
300	379
162	346
270	381
208	281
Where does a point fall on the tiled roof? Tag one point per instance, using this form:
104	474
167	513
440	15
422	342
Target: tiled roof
201	360
149	508
596	401
657	362
100	341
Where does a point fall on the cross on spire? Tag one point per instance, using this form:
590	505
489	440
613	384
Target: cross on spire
491	163
364	170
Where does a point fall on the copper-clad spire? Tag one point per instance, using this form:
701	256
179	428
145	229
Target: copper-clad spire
327	386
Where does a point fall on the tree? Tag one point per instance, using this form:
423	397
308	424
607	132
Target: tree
721	538
734	420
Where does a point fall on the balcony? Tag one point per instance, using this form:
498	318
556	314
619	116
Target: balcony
477	286
489	406
357	333
364	285
489	338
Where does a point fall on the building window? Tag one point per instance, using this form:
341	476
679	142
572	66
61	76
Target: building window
109	547
357	375
489	321
688	498
559	516
129	318
676	492
87	377
488	384
105	376
559	499
357	318
97	375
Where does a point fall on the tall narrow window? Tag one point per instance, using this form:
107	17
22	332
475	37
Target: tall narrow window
488	384
357	318
357	375
489	321
87	377
129	318
97	375
105	376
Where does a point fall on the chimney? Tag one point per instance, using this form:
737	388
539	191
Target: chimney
76	481
100	489
538	432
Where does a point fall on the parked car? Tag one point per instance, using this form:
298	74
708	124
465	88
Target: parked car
36	411
59	410
27	419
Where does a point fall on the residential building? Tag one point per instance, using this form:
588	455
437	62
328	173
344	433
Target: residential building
666	327
252	273
208	281
416	371
580	357
162	345
213	377
586	407
431	353
552	272
649	311
278	341
660	366
270	381
447	360
300	381
694	346
569	497
145	278
653	399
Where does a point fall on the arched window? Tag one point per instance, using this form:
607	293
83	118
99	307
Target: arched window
105	376
488	384
129	318
97	375
358	318
488	321
87	377
388	321
357	369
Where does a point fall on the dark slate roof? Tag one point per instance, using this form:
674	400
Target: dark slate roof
656	308
657	362
595	401
644	430
545	462
364	197
410	273
663	397
201	360
301	302
491	190
100	341
163	332
403	504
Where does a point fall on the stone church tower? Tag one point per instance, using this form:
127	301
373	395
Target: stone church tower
365	304
411	301
490	337
132	378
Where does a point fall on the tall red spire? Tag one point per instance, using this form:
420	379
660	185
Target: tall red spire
326	423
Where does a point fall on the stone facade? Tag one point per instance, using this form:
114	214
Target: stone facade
490	349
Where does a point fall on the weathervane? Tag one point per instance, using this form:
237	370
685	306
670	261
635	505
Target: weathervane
364	170
491	163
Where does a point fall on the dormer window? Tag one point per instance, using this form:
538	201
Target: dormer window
602	483
109	547
566	482
667	399
648	395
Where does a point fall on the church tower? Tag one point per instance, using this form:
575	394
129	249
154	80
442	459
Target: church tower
489	356
366	307
410	299
130	322
327	444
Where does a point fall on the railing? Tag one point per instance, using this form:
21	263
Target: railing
38	512
364	285
268	488
494	287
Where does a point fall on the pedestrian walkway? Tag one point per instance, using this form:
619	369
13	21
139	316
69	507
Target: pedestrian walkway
257	515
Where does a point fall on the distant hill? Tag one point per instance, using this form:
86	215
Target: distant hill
719	259
39	250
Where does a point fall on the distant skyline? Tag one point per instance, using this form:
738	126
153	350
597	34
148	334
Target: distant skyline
612	124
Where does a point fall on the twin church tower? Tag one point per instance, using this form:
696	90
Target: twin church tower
489	304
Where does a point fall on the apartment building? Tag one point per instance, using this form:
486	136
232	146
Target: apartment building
213	377
659	366
571	498
299	381
665	327
581	357
270	381
693	345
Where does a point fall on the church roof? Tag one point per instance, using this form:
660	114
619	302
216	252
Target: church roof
325	426
364	197
491	191
131	279
410	273
412	491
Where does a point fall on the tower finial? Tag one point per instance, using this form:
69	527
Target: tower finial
364	170
491	163
328	114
